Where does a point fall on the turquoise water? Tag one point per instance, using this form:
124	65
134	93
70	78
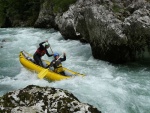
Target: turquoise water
110	88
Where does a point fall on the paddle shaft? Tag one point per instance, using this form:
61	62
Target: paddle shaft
59	57
51	48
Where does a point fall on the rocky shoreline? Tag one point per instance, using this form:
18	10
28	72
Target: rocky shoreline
118	31
36	99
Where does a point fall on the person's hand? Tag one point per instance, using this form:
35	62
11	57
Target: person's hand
46	40
48	66
64	54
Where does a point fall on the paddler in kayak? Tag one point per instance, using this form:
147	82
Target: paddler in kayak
56	63
41	51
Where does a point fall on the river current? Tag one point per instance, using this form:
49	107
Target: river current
110	88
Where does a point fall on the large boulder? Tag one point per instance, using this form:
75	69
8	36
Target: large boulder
46	18
137	29
49	10
118	31
35	99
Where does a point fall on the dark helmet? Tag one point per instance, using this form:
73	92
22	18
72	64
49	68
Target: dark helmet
47	45
56	54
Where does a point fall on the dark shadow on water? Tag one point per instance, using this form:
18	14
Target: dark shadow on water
141	64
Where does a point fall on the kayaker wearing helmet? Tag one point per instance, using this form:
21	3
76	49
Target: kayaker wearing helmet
56	63
41	52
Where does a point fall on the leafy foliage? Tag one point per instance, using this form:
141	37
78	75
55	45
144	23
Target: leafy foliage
19	9
116	8
2	11
26	11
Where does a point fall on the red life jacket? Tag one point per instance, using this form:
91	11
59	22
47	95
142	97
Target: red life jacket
41	52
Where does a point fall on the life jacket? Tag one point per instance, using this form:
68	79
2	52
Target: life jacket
41	52
58	68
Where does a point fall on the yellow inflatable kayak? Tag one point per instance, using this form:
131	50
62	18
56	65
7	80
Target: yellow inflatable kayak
27	61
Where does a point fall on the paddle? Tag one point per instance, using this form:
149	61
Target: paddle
45	71
50	48
42	73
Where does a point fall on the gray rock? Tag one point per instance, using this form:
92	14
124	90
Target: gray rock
112	38
35	99
46	18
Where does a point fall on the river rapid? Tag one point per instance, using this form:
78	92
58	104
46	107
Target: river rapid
110	88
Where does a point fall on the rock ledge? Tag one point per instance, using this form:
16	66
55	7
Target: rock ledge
35	99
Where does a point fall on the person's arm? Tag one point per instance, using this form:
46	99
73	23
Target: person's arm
64	58
49	55
41	44
52	63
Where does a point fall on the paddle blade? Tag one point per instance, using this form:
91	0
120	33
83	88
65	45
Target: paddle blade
42	73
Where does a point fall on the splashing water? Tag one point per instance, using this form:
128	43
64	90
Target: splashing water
110	88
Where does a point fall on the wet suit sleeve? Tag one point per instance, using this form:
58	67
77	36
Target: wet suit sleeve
63	59
41	45
49	55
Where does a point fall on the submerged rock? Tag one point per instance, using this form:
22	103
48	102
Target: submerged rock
35	99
